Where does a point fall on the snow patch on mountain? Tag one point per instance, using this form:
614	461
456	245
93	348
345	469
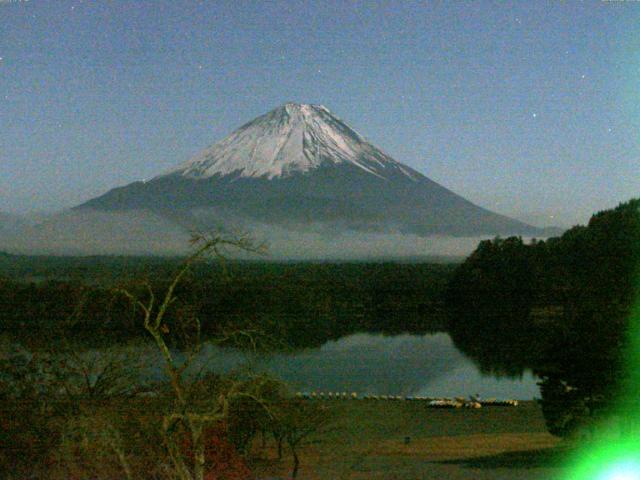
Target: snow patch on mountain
294	138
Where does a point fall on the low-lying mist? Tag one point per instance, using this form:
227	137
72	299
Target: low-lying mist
142	232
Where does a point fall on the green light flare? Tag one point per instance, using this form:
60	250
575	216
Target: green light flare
629	470
615	455
615	460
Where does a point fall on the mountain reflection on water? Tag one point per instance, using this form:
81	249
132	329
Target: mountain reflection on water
428	365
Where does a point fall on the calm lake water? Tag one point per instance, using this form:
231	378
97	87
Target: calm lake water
375	364
428	365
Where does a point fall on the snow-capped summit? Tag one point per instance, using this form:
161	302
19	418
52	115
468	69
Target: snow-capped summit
289	139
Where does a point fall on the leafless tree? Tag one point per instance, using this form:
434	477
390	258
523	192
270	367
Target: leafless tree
188	416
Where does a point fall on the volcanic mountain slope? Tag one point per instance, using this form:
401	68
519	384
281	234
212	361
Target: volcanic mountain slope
301	165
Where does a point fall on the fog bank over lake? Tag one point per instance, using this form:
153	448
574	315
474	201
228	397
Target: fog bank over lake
142	232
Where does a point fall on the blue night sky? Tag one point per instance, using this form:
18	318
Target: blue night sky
527	108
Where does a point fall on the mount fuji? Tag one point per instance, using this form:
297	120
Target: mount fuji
300	165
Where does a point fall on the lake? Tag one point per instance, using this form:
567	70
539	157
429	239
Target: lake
375	364
427	365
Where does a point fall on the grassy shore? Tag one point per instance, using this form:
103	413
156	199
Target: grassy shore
407	440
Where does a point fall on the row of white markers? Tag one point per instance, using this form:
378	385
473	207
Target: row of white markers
457	402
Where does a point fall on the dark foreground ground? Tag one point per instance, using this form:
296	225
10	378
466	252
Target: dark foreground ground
367	440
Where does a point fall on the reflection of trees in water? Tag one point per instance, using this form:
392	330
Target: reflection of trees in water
490	298
494	353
